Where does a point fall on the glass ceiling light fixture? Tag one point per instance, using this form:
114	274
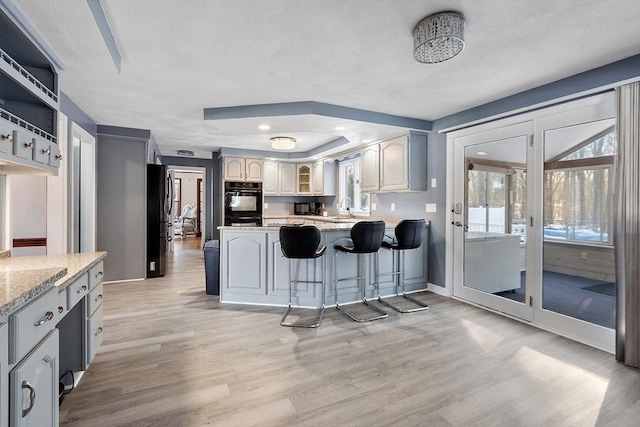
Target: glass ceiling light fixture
282	142
438	37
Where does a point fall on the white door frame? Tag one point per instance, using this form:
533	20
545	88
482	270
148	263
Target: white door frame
84	197
57	196
595	107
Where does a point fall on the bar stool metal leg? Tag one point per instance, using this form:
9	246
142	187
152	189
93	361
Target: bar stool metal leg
361	288
399	281
320	309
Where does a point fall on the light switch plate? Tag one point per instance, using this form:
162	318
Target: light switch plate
373	206
266	205
433	183
431	207
393	207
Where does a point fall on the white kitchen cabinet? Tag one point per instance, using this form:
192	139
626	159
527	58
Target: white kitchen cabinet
323	175
94	313
33	385
395	165
303	179
287	179
369	169
241	169
270	180
4	375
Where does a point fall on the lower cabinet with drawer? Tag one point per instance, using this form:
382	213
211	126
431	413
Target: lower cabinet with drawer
4	375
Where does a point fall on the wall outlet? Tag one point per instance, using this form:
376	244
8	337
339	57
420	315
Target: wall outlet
433	183
374	206
152	266
431	207
583	255
393	207
266	205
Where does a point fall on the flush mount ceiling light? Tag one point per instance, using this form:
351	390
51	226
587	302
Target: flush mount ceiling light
282	142
438	37
188	153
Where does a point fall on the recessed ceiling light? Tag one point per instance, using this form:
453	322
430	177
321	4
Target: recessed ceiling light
481	153
340	128
366	140
264	127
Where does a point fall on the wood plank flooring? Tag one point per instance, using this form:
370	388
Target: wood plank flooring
174	356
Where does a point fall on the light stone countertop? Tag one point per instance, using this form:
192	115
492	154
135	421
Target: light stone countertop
24	278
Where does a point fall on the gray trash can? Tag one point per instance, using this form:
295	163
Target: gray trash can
212	266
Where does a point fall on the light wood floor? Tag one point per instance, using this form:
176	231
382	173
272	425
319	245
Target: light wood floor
174	356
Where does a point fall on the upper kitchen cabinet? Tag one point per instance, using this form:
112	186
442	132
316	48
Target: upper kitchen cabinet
287	179
241	169
270	179
400	166
323	175
303	179
28	104
369	169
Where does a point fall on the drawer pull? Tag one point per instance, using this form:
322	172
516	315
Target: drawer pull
59	156
46	151
98	298
28	144
8	137
32	398
82	289
60	309
99	331
99	274
44	319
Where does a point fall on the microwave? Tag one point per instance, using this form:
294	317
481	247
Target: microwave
306	208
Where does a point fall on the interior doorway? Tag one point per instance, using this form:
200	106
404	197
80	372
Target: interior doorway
188	211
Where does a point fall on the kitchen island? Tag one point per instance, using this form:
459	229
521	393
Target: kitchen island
254	271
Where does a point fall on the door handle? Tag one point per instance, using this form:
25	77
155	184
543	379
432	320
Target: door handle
460	224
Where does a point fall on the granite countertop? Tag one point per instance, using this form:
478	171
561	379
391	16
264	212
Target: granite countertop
323	223
24	278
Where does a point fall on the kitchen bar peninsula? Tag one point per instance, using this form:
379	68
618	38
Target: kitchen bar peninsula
254	271
50	323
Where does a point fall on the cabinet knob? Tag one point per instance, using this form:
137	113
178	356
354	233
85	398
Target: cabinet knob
60	309
99	274
99	331
28	144
98	298
59	156
8	137
82	289
46	151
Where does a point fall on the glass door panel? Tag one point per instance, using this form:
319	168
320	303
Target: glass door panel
578	271
491	232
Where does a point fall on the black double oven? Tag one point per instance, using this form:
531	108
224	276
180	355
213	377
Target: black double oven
243	203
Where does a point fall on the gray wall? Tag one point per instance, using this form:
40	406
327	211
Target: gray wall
121	205
212	189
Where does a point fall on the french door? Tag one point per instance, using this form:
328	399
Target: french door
532	218
491	219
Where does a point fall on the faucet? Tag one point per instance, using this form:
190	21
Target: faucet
348	207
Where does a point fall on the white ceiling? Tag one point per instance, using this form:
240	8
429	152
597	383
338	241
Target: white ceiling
181	56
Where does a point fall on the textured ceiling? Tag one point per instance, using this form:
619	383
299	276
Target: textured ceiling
179	57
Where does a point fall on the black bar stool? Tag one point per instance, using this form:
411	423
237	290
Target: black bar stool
409	234
302	242
366	238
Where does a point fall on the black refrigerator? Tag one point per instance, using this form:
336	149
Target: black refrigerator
159	205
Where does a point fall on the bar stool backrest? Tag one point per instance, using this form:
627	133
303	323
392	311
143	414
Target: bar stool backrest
367	236
300	242
409	233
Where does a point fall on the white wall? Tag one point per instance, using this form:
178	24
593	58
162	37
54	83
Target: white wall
189	187
27	204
